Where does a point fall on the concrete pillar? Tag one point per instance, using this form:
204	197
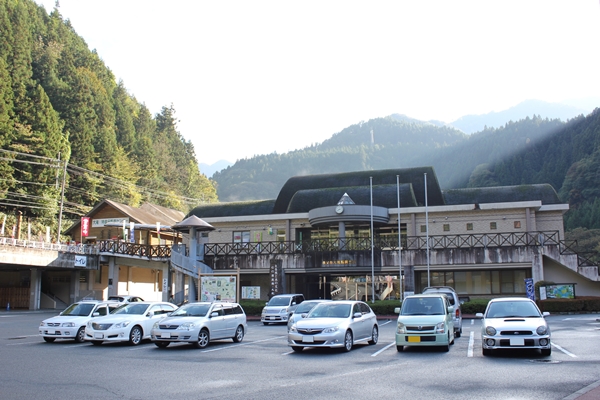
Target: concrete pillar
113	277
165	282
74	289
192	294
35	289
179	290
193	245
537	265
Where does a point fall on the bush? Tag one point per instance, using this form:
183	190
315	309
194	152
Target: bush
591	303
252	307
474	306
384	307
561	305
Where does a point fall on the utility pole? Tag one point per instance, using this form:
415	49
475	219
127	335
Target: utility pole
62	201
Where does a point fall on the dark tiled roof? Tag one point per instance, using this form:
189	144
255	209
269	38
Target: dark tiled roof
502	194
414	176
234	209
383	196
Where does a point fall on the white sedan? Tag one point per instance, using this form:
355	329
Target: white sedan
130	323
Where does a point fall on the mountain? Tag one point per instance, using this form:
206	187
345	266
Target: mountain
476	123
209	170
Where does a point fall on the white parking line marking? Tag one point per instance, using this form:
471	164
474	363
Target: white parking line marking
386	322
472	322
382	350
564	351
242	344
471	342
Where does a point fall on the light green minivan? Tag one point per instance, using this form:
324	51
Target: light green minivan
425	320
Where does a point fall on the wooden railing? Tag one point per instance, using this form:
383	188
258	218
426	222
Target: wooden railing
134	249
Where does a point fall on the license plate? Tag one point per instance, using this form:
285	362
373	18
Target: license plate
517	342
51	331
272	318
414	339
165	335
98	335
308	339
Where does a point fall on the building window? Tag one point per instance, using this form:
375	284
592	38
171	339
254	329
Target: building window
423	228
493	225
469	226
517	224
241	237
446	227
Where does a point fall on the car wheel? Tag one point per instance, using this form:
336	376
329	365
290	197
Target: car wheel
374	335
546	352
203	339
161	345
135	336
400	348
486	352
348	341
96	342
49	339
297	349
79	337
446	347
453	338
265	323
239	334
458	333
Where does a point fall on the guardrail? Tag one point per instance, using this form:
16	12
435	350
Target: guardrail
60	247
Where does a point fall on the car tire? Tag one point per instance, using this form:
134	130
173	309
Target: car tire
297	349
400	348
348	340
374	335
546	352
49	339
135	335
486	352
203	339
80	335
96	342
161	345
265	323
239	334
458	333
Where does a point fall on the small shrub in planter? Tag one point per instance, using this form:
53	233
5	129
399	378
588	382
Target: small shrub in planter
474	306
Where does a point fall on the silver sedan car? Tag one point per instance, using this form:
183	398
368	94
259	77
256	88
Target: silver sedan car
335	324
302	311
514	323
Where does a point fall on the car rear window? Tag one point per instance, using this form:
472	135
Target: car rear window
448	294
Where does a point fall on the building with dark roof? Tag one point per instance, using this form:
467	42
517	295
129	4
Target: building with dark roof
337	236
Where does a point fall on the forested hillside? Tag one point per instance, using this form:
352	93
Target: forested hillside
59	102
532	150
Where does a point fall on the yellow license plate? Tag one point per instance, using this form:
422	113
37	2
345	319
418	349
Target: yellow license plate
414	339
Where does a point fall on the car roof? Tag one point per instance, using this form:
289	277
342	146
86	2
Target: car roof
511	299
447	288
426	295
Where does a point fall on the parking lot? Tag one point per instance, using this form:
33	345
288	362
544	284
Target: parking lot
263	366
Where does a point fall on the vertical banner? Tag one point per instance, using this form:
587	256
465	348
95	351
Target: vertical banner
158	231
131	232
530	288
124	236
85	227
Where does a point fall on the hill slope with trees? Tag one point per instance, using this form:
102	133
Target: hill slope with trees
60	103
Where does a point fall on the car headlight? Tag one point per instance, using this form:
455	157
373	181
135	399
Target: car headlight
293	328
331	329
121	324
440	327
42	323
542	330
401	328
186	326
263	311
155	326
89	324
490	330
283	311
72	325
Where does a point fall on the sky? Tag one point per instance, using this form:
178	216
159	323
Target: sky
258	77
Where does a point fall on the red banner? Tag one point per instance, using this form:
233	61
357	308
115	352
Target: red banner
85	226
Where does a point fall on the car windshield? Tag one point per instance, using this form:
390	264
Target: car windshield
331	311
191	310
279	301
79	310
134	309
511	309
305	307
423	306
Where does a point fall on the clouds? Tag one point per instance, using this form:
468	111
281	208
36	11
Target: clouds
255	77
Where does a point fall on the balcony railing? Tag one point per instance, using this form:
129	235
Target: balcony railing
134	249
385	244
60	247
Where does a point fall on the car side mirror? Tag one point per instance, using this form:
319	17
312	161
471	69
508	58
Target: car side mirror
95	314
451	309
151	314
304	315
479	315
357	315
545	313
397	310
293	303
214	314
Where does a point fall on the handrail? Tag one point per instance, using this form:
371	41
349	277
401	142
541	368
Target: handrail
134	249
60	247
